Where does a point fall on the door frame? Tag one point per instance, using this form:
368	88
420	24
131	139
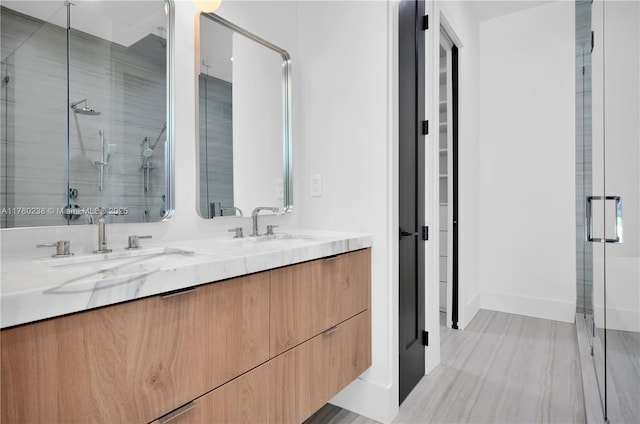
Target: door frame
438	17
452	302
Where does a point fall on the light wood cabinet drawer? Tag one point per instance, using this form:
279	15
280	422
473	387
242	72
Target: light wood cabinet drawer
306	377
243	400
290	387
308	298
135	361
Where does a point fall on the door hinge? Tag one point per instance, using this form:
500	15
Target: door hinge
425	338
425	22
425	233
425	127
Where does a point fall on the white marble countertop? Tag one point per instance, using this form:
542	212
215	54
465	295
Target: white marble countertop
40	287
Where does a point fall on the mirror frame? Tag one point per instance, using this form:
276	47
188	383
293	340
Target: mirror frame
169	159
287	171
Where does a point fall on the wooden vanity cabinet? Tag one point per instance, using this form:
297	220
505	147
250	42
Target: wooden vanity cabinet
271	347
290	387
135	361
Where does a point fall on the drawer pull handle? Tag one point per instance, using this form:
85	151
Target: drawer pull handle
178	292
331	258
329	330
177	412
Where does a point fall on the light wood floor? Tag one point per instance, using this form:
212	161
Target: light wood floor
623	374
502	368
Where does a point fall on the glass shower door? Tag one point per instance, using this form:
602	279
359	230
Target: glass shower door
616	206
622	220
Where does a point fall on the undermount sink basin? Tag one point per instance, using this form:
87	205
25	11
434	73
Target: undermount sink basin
281	236
121	267
244	245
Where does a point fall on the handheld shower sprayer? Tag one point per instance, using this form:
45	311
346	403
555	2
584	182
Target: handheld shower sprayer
147	152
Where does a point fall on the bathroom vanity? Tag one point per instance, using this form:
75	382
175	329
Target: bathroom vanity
261	329
284	326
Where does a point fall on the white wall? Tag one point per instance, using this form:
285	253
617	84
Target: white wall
345	133
527	164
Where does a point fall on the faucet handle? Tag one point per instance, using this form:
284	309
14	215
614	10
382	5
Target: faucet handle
270	229
237	231
134	241
63	248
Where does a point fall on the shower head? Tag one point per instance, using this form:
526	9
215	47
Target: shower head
147	153
86	110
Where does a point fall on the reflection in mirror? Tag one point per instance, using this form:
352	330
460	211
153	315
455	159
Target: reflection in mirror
84	111
244	123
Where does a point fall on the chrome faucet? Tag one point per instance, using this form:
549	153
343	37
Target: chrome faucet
102	233
254	217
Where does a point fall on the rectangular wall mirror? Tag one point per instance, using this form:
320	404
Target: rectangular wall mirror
86	111
244	121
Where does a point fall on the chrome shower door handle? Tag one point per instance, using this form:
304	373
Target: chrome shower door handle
617	224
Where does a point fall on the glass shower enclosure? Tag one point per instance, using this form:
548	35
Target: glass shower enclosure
608	188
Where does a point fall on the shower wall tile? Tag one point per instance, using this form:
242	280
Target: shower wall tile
584	251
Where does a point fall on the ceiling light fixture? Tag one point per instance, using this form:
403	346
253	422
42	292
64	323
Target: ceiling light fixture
207	6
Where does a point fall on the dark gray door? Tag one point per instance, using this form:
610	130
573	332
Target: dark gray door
412	193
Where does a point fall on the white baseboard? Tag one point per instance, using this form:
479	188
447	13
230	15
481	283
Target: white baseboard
368	399
470	310
619	319
529	306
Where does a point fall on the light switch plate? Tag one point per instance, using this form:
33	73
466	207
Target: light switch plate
316	185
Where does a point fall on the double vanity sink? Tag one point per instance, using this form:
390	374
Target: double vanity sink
37	288
265	329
